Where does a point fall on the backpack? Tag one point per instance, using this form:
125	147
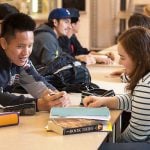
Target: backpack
97	92
67	74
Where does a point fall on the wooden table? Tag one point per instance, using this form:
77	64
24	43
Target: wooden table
31	134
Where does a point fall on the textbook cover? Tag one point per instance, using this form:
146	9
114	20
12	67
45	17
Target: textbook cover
9	118
69	126
102	113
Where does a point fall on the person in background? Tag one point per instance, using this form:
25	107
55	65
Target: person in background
16	43
147	10
134	51
46	47
6	9
71	44
136	19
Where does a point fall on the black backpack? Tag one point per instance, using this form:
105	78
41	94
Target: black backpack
67	74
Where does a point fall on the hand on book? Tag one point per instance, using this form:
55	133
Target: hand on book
53	99
92	101
96	101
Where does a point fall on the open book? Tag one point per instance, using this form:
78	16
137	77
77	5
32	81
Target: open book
102	113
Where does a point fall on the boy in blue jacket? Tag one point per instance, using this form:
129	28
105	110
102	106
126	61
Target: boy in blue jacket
16	46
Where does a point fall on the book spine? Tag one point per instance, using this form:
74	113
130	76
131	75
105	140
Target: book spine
92	128
7	119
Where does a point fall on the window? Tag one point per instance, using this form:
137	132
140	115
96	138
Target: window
78	4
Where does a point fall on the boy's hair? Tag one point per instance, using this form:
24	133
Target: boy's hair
74	15
7	9
136	43
74	20
138	19
16	22
51	23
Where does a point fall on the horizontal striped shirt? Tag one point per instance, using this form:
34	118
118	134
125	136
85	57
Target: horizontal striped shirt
139	105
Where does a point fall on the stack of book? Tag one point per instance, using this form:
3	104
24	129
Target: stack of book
73	120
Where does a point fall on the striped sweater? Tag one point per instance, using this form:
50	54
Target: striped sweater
139	105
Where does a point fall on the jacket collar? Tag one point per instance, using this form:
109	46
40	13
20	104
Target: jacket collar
4	60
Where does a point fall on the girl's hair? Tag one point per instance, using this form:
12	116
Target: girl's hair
136	43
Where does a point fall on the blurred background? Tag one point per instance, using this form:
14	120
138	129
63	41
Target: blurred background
101	21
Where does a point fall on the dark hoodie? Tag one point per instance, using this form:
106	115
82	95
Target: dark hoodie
46	47
26	76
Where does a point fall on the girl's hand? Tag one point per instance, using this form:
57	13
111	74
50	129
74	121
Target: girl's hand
92	101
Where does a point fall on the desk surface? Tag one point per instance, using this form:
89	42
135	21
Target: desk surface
31	135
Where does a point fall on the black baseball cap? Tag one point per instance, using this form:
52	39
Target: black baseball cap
74	12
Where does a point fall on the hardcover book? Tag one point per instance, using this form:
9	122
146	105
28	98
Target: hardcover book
9	118
77	125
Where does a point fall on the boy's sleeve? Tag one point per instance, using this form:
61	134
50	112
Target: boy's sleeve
79	50
33	82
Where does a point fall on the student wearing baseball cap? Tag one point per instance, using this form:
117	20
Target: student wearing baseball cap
46	47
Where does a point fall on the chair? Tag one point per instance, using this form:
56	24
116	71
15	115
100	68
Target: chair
125	146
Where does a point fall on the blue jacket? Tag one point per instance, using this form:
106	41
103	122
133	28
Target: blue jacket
26	76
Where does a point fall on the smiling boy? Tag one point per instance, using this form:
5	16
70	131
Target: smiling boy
16	46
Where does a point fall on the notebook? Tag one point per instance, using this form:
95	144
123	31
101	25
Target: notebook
102	113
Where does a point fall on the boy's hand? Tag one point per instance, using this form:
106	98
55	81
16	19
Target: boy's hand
53	99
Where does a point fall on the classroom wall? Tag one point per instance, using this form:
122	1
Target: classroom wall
99	25
103	31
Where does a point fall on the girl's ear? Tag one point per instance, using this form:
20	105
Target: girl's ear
3	43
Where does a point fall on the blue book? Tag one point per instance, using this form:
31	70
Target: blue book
102	113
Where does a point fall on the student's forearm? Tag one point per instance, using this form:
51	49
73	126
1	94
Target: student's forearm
111	102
